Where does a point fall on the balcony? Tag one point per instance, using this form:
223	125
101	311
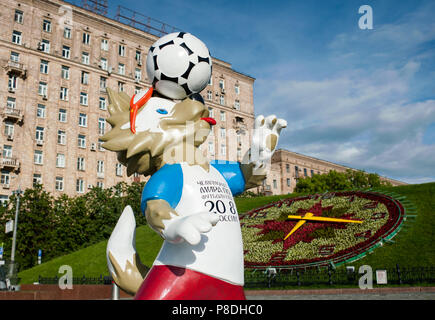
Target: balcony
16	68
10	163
12	114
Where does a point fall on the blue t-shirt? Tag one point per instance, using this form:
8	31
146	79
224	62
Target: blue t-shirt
167	183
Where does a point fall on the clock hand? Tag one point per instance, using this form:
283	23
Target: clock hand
299	224
325	219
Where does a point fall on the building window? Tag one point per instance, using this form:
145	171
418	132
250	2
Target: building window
38	157
44	46
305	172
62	115
83	120
81	164
239	153
209	95
63	94
121	50
103	64
287	168
222	84
37	179
81	141
100	145
4	200
60	160
274	184
59	184
61	137
66	52
100	167
103	83
210	112
86	38
104	44
12	82
296	172
120	86
222	100
42	89
83	98
85	58
239	137
121	69
103	103
211	147
312	172
222	132
18	17
7	151
100	184
40	111
222	115
16	37
288	182
223	149
9	129
137	90
65	72
138	57
15	56
137	74
210	81
101	126
39	136
43	66
119	170
5	178
46	26
237	89
10	103
237	105
67	33
80	186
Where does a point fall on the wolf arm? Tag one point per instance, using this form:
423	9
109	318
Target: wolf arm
253	168
161	196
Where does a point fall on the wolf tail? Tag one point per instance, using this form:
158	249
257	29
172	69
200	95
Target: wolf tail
123	261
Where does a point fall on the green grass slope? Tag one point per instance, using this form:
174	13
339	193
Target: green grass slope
91	261
412	247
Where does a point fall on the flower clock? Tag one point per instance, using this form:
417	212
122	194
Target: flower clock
319	229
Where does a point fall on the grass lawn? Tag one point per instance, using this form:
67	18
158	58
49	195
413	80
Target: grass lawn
412	247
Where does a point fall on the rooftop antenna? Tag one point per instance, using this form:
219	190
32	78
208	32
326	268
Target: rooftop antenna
96	6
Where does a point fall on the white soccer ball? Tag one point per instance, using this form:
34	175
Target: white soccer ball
178	65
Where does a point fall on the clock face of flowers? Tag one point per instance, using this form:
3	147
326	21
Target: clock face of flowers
337	227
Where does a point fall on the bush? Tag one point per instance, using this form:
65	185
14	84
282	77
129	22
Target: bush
66	224
339	181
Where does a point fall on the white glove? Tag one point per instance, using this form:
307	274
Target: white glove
189	228
265	139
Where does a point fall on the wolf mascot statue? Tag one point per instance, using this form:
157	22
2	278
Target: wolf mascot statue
187	200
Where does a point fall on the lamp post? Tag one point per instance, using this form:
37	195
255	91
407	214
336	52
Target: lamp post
18	192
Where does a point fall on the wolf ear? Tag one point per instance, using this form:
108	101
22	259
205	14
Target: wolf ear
118	102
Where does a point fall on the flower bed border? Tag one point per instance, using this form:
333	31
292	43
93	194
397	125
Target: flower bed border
395	221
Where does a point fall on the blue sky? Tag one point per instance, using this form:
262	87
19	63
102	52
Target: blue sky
361	98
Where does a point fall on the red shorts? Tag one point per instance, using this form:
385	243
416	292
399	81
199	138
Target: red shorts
176	283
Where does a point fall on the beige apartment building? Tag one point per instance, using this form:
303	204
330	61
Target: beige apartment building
287	167
57	60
